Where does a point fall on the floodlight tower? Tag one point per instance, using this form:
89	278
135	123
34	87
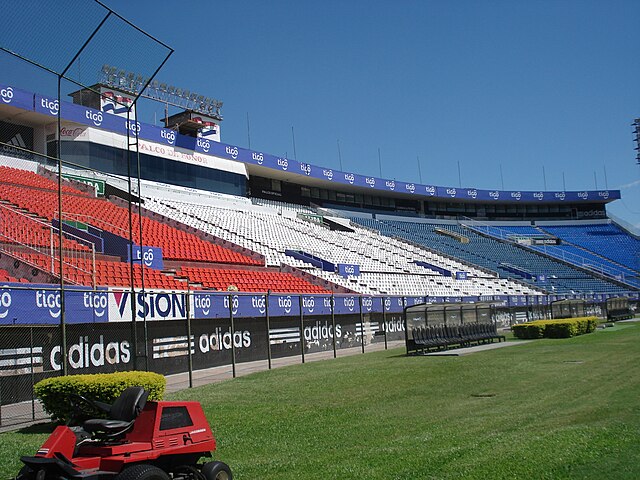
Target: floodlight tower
636	132
116	89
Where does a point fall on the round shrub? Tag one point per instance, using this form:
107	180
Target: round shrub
106	387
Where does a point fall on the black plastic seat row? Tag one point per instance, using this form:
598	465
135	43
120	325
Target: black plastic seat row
444	336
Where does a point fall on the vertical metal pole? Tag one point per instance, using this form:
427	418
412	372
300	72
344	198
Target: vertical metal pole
248	131
142	283
190	355
93	266
301	328
266	313
406	328
384	324
134	326
293	137
33	378
333	325
361	324
52	253
233	329
63	326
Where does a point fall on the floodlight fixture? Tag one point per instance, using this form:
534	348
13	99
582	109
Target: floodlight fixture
134	83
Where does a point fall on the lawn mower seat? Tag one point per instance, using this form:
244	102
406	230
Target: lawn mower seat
121	414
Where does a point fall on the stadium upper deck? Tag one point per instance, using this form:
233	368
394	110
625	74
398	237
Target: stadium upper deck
96	139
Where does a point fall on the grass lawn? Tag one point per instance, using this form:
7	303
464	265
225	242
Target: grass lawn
546	409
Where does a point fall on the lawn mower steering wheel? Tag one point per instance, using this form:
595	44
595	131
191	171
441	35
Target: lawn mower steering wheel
80	406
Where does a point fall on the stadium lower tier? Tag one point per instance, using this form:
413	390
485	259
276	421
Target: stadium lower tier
377	256
103	273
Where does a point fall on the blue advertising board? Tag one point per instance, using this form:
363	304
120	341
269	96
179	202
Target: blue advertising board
149	256
42	304
15	97
348	269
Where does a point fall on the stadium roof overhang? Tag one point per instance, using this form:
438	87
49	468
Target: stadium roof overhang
295	178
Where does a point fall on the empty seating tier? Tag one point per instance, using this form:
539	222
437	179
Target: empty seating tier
249	280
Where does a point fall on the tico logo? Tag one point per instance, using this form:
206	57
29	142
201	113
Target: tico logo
203	302
168	135
204	144
367	304
98	302
259	303
52	106
258	157
6	94
235	303
308	303
285	303
5	302
49	301
95	117
349	303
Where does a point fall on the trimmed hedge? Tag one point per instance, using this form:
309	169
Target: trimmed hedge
105	387
565	328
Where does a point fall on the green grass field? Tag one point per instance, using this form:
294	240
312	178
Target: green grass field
546	409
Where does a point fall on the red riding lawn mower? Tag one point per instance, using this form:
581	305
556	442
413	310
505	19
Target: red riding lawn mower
138	440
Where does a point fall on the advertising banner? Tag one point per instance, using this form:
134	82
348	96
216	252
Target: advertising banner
348	269
149	256
150	305
116	102
41	304
15	97
17	140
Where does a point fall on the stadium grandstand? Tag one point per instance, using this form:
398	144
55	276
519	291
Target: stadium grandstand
107	221
225	217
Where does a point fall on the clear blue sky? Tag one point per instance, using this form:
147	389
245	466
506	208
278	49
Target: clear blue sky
518	84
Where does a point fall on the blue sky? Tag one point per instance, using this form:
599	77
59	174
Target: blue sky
517	85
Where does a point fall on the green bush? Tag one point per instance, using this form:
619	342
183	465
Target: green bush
529	330
565	328
105	387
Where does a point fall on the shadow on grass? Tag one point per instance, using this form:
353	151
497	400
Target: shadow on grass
45	427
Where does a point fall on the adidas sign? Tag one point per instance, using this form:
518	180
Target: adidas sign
16	147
